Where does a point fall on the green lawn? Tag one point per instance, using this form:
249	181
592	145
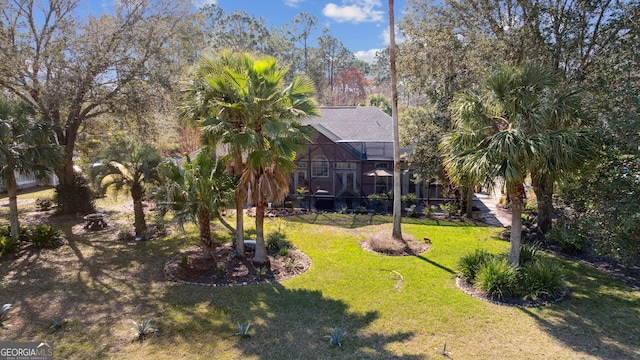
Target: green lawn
100	285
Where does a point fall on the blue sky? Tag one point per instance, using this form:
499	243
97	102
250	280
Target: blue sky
361	25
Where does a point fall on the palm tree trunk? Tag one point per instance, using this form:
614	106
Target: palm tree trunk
12	190
239	226
469	200
260	258
204	225
543	187
138	212
517	206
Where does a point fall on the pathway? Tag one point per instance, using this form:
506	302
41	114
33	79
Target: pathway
486	202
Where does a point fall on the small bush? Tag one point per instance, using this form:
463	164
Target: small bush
8	245
44	204
496	278
284	252
428	211
570	238
528	253
410	199
277	240
469	264
539	278
449	209
24	233
46	237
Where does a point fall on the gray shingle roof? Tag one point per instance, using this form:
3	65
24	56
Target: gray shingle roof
353	124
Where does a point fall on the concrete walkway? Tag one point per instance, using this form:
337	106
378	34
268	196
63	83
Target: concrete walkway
486	202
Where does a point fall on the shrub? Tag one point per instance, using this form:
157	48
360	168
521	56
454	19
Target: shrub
44	204
24	233
449	209
469	264
528	253
410	199
540	278
46	237
284	252
428	211
8	244
277	240
569	237
496	277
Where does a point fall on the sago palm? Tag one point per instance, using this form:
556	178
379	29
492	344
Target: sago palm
25	148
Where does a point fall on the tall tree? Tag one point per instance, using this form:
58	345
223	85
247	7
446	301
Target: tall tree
197	192
502	134
397	205
208	96
72	70
25	148
271	134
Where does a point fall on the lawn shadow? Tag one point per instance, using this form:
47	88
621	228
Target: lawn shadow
287	323
435	264
600	318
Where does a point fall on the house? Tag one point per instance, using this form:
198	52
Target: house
352	150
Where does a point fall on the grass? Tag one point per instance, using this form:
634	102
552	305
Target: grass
99	284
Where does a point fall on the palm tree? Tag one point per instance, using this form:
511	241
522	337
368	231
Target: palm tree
205	103
25	148
397	209
502	135
249	110
137	167
271	133
197	192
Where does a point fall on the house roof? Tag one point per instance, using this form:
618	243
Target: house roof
353	124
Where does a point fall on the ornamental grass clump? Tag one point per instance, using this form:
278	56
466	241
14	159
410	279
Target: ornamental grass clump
468	265
536	278
496	278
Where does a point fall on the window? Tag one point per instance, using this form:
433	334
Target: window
320	166
382	165
344	165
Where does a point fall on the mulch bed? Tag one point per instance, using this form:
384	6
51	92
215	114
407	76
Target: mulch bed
509	300
190	267
383	243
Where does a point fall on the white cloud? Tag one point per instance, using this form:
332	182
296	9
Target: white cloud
202	3
385	36
368	56
293	3
355	11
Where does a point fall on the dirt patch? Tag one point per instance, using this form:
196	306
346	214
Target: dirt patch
190	267
385	244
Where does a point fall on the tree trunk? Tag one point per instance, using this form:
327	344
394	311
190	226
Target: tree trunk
397	191
469	200
70	202
12	190
517	206
543	187
204	225
239	226
138	212
260	258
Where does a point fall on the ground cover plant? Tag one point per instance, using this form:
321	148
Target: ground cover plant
98	284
